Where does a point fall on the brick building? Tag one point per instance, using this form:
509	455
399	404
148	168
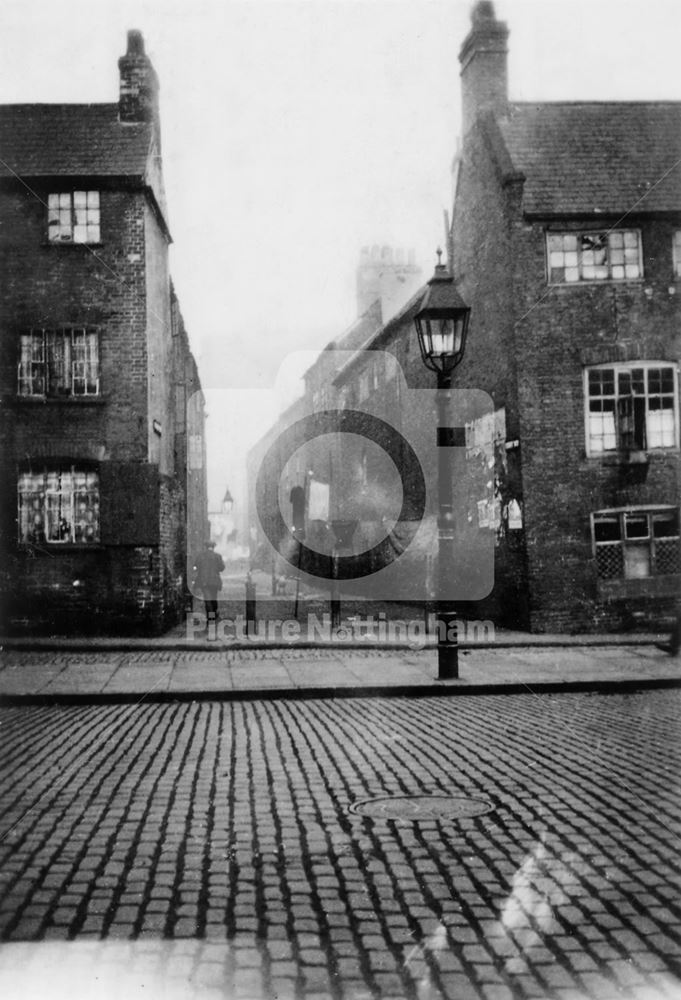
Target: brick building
101	394
566	244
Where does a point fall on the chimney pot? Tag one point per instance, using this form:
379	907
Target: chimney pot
135	43
483	11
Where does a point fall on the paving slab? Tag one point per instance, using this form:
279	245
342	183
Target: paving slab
252	677
140	677
84	677
20	677
205	677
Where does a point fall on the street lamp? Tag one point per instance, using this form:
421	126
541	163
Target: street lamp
441	325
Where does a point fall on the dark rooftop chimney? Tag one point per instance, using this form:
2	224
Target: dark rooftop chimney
484	72
139	84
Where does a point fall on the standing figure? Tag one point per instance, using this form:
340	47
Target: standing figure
207	569
672	644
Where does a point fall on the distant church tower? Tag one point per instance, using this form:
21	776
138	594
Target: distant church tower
390	276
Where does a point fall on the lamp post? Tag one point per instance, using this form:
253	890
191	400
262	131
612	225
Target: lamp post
441	325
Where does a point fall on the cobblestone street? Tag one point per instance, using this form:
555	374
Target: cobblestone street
210	849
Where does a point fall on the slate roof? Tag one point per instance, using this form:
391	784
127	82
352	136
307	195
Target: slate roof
580	158
71	140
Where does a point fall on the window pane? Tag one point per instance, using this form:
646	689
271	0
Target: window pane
607	529
624	383
661	429
666	524
668	556
667	376
58	364
636	525
58	517
609	561
602	432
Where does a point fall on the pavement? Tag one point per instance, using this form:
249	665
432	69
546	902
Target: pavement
187	665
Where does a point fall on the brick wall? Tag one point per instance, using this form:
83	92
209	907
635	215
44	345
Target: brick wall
564	329
484	226
134	579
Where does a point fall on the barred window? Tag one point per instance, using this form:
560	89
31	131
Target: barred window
677	253
631	408
594	256
73	217
63	362
59	505
632	544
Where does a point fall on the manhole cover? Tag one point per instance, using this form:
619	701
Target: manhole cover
417	807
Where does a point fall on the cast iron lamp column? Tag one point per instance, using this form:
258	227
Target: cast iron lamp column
441	325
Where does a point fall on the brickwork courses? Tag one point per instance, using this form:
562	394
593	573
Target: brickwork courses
211	850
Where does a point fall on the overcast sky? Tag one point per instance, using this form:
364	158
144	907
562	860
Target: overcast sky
294	133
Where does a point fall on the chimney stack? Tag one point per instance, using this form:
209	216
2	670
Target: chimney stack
484	70
138	100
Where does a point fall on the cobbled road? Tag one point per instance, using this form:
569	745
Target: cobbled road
210	849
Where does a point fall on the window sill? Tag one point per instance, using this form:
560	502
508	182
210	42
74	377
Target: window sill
50	548
596	283
647	586
60	400
632	457
70	244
